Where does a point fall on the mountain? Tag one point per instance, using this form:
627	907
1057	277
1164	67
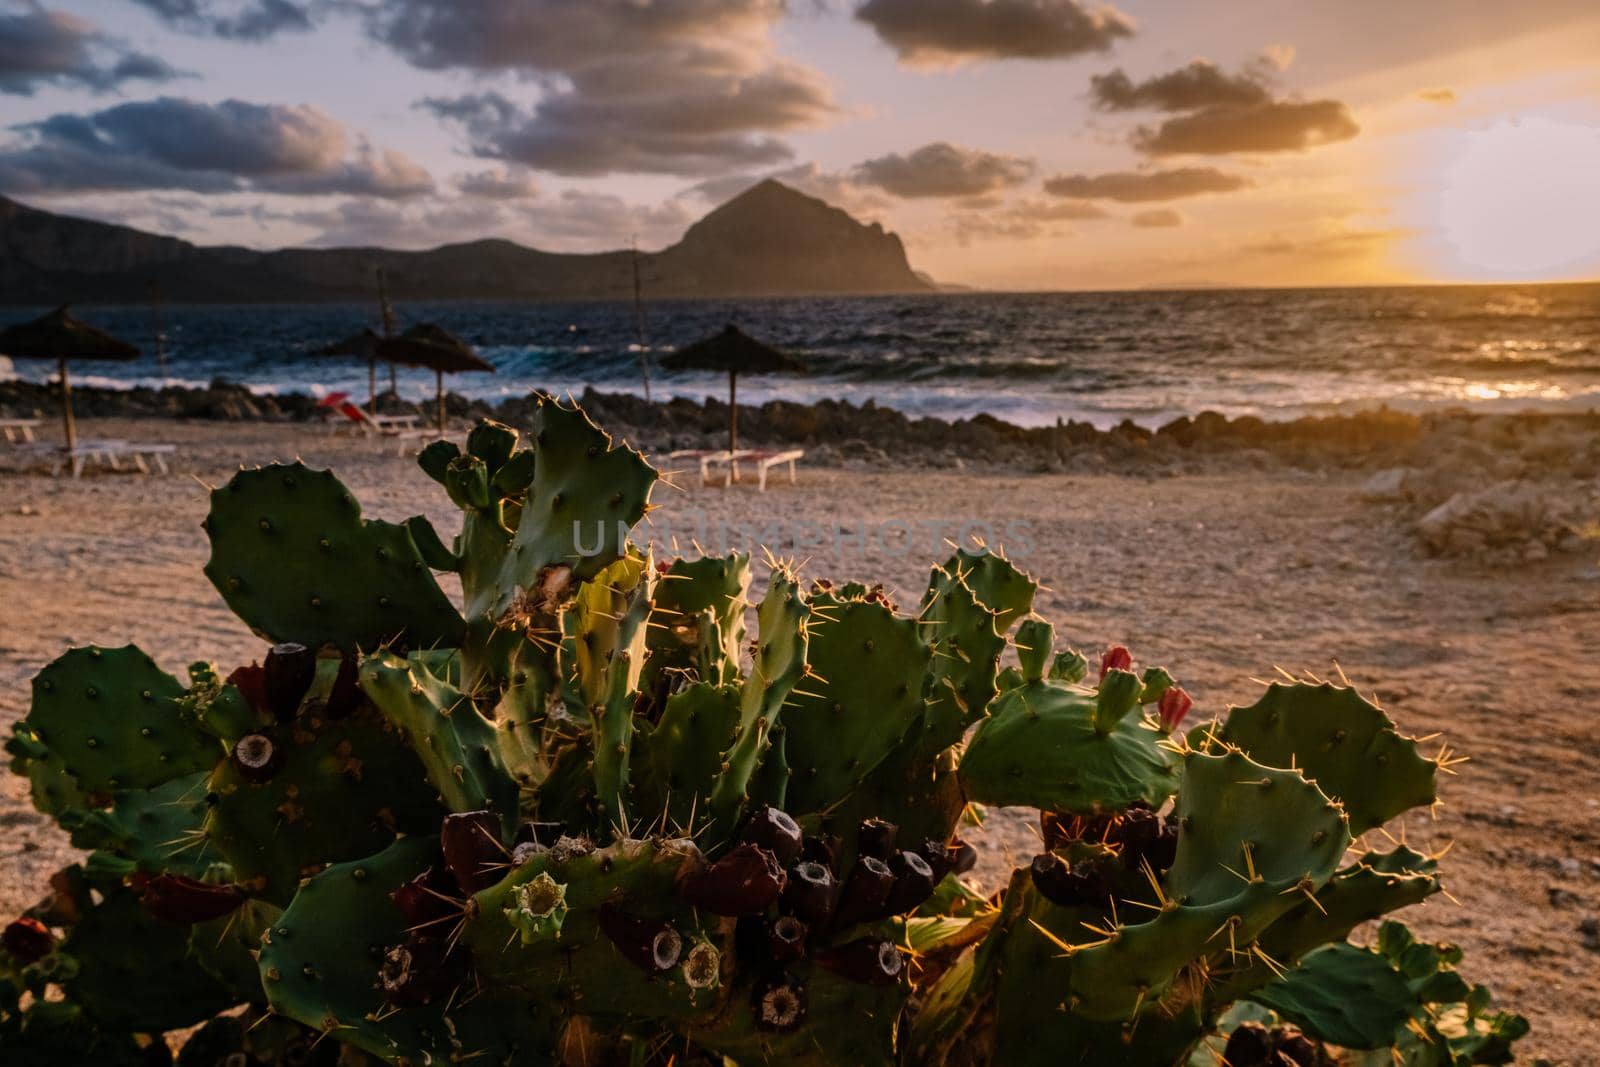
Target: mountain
768	241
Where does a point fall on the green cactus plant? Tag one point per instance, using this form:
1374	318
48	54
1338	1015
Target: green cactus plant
581	820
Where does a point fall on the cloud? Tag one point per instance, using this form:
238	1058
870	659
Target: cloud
1157	218
932	33
172	143
500	184
1146	185
1201	84
944	170
1275	126
1438	96
1216	113
1334	244
40	47
1027	219
686	87
241	20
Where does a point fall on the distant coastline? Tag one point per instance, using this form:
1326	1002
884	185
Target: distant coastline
770	240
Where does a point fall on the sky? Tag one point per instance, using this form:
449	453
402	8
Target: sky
1013	144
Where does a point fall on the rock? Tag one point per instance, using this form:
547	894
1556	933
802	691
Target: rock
1387	485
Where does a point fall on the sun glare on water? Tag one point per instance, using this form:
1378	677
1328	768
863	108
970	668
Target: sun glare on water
1519	200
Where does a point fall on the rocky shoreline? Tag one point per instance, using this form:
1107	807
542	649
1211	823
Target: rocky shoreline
1501	487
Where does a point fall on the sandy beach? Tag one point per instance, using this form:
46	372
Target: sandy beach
1220	575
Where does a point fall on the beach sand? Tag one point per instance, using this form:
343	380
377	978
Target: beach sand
1219	577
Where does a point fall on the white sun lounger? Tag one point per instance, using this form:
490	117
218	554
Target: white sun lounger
107	452
763	462
18	431
703	457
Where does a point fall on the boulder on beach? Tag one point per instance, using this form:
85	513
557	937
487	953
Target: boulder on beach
1513	519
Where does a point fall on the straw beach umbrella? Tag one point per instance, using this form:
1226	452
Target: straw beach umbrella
363	345
435	348
61	337
738	353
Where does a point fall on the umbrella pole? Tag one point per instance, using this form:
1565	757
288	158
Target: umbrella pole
438	377
733	411
67	422
372	385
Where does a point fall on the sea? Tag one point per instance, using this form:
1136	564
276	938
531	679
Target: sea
1028	358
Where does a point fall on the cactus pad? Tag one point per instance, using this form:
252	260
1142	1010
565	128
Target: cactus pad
1342	742
1040	747
294	559
113	720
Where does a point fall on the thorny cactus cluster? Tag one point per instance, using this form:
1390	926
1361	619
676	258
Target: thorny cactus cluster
592	819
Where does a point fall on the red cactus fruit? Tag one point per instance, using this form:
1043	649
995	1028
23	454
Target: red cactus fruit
865	892
873	960
780	1004
747	881
652	945
251	681
1172	707
472	851
288	672
876	838
257	756
28	940
786	938
1115	658
345	696
774	831
913	882
811	893
175	898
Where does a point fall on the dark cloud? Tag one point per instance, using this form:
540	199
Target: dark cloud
1201	84
943	32
240	20
172	143
1216	113
1157	219
501	184
1146	185
40	47
1275	126
944	170
688	87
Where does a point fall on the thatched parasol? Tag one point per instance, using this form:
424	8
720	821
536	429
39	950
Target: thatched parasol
437	349
736	352
363	345
61	337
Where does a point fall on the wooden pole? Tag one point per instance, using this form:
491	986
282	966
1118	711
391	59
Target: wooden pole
372	384
66	407
438	377
733	410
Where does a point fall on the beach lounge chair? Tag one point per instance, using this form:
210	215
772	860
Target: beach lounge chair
763	462
18	431
402	429
705	458
348	415
107	452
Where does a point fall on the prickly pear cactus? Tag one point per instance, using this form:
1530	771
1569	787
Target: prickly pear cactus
595	814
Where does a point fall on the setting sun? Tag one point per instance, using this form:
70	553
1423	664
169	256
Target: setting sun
1515	200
